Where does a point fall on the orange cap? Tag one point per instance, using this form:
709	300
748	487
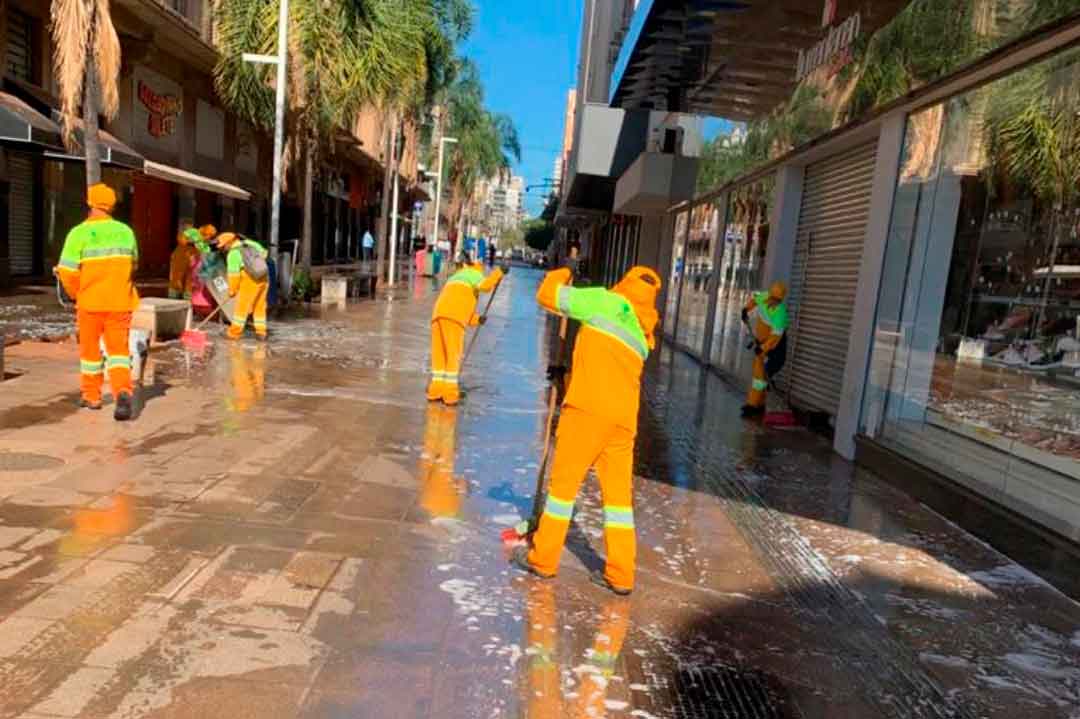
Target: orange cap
225	239
207	231
101	197
778	291
640	286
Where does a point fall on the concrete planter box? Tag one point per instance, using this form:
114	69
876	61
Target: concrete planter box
162	319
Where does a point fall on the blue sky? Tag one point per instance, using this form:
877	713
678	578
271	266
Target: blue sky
526	51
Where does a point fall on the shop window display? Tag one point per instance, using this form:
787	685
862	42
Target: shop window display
746	236
697	278
976	363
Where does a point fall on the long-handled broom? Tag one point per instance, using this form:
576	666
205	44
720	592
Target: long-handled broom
521	531
196	338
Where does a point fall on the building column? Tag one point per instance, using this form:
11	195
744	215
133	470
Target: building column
889	152
783	224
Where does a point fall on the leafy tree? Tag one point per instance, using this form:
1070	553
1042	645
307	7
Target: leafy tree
487	145
539	233
344	55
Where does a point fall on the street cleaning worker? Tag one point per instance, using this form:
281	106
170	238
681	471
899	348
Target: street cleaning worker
250	292
767	316
454	311
182	262
206	233
598	422
97	268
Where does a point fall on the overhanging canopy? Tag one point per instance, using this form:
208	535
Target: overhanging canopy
736	59
190	179
20	123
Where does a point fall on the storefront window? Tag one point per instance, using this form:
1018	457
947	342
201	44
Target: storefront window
674	283
746	236
976	361
697	277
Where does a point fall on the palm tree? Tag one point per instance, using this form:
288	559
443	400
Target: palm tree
343	55
81	30
488	143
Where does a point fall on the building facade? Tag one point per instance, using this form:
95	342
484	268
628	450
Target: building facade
926	228
173	152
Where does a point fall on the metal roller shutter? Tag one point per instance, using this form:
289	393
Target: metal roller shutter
825	273
21	214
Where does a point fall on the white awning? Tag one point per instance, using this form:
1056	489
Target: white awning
190	179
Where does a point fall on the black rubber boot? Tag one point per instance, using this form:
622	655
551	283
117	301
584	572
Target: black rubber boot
598	578
750	411
124	408
520	559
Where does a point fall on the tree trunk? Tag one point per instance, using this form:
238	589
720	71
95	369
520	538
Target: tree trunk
309	191
91	148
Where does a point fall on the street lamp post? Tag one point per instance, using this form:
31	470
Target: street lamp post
438	187
279	121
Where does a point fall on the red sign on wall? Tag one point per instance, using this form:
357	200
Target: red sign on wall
162	110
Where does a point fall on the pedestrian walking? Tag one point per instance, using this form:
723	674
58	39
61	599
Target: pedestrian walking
97	268
368	245
248	282
454	311
766	315
598	423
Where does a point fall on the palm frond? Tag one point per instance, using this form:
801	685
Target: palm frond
107	59
72	24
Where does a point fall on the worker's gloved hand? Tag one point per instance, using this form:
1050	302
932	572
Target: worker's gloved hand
745	316
557	373
505	267
481	320
758	349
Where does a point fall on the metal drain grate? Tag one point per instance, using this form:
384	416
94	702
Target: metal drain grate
718	692
27	462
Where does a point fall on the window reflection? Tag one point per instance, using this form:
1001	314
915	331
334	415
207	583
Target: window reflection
976	361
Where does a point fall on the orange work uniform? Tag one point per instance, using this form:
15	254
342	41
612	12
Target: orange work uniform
454	311
251	294
598	423
182	263
96	268
769	323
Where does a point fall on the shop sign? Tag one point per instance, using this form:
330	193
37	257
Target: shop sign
157	108
247	149
833	51
209	131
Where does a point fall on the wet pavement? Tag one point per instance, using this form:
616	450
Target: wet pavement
289	530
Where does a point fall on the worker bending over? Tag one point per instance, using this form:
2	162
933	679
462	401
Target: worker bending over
767	316
598	422
182	262
97	268
206	235
249	285
454	311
